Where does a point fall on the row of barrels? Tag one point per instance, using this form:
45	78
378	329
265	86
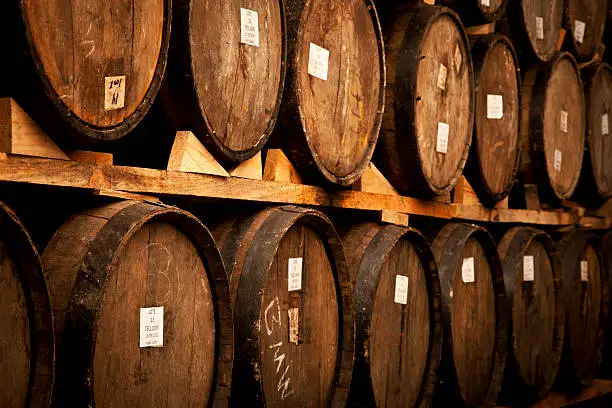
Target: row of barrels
136	304
323	81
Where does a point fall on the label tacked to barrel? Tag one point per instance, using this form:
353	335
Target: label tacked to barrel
486	3
295	274
558	160
401	289
114	92
584	271
605	125
495	106
563	123
318	61
294	325
579	28
528	268
442	77
539	28
152	326
442	140
467	270
249	27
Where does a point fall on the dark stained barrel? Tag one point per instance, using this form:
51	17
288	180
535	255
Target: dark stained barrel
584	21
605	369
334	92
475	12
586	290
534	288
226	73
553	123
535	26
293	309
142	309
429	112
494	155
474	315
26	325
87	71
596	178
398	316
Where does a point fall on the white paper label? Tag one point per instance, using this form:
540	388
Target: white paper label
563	123
318	62
467	270
558	160
584	271
486	3
249	27
114	93
401	289
294	325
539	28
579	28
457	58
152	326
495	106
605	125
442	77
442	142
295	274
528	268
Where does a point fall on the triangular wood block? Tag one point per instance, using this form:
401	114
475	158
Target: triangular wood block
279	169
562	33
532	199
249	169
430	2
188	155
503	204
605	210
481	29
465	194
20	135
373	181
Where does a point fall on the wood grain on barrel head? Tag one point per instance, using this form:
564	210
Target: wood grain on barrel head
476	12
585	21
496	140
238	86
341	115
533	317
542	36
300	375
79	43
159	266
473	324
15	337
399	339
583	312
564	94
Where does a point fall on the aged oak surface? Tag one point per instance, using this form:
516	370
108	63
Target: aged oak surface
329	124
475	12
428	120
26	325
397	345
294	348
104	265
537	318
495	146
99	64
474	315
584	21
226	91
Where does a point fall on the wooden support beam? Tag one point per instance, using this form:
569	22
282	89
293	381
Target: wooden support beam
20	135
279	169
481	29
91	157
122	195
190	156
373	181
249	169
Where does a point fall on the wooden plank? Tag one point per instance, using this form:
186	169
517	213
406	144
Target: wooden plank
395	218
122	195
481	29
91	157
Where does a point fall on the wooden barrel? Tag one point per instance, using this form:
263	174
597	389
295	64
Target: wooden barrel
535	25
26	326
596	178
142	309
429	116
398	318
293	309
553	124
87	71
586	291
494	156
605	369
584	22
475	12
226	73
534	282
474	315
334	93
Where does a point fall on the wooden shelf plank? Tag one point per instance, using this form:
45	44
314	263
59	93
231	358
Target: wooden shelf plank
92	176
